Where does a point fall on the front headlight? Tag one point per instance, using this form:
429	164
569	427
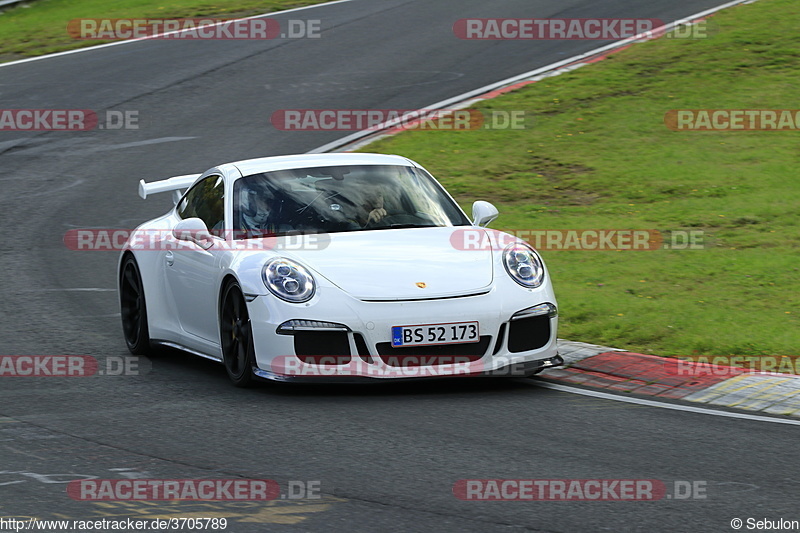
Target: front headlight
288	280
523	265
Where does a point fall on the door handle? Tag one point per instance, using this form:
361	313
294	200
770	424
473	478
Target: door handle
170	258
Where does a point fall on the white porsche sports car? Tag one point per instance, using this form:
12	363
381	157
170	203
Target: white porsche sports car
334	267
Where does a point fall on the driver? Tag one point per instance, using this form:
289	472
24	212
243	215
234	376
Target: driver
377	211
373	210
258	216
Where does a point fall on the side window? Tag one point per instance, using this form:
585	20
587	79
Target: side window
206	201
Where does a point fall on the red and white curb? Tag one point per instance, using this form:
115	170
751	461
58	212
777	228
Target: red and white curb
664	377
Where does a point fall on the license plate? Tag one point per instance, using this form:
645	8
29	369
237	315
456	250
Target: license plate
430	334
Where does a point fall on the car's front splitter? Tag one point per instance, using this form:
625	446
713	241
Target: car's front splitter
366	373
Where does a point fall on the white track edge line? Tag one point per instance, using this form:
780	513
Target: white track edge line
375	130
128	41
664	405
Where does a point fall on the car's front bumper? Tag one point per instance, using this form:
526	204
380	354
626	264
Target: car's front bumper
512	344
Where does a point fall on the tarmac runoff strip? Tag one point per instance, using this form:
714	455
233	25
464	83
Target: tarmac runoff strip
619	371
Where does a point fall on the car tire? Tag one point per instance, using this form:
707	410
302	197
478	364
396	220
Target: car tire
133	307
236	336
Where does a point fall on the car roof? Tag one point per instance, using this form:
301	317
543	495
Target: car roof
285	162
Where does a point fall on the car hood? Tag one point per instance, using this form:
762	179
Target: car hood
401	264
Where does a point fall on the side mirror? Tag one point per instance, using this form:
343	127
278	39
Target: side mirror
483	213
193	230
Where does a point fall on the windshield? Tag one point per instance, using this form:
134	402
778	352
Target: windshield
341	198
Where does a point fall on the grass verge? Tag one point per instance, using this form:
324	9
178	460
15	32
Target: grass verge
40	27
600	156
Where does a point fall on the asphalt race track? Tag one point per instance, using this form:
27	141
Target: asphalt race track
386	458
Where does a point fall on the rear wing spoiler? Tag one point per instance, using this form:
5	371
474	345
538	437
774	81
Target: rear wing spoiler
176	184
